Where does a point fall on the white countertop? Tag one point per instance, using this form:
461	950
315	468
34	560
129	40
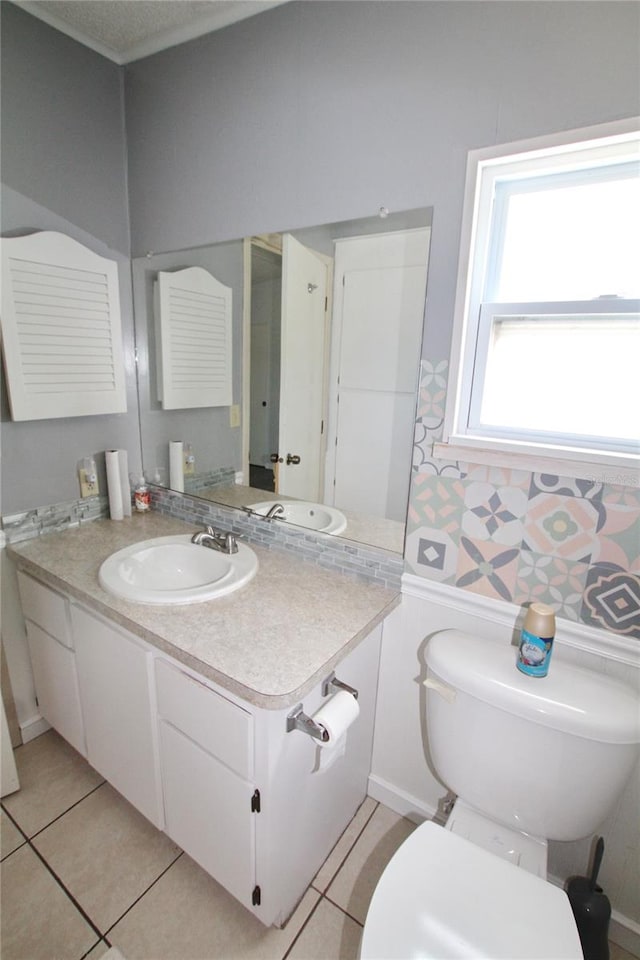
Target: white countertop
269	643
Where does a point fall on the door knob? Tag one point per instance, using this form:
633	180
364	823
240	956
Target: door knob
293	458
275	458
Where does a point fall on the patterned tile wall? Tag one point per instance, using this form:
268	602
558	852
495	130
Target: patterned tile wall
520	536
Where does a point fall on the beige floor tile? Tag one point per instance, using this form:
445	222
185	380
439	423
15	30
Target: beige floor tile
106	854
188	916
100	952
329	935
619	953
53	776
10	836
334	861
354	884
39	921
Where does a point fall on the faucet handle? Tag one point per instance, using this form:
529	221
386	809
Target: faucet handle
231	543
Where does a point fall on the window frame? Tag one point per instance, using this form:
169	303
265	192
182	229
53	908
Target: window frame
477	260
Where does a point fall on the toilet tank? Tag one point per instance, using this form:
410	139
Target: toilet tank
546	756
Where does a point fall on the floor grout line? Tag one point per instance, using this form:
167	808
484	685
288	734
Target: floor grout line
143	894
342	910
73	900
65	812
302	928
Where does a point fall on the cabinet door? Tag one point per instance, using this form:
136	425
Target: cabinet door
56	682
208	812
114	675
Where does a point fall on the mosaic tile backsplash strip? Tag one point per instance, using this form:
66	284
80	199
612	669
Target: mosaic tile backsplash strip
519	536
368	564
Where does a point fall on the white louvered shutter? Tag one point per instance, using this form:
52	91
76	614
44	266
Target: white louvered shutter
61	329
193	339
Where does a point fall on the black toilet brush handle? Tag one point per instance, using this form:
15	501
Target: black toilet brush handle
597	860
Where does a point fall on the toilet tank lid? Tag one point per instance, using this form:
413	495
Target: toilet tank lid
569	699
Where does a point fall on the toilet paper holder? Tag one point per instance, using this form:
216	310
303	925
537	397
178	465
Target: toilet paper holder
332	685
298	719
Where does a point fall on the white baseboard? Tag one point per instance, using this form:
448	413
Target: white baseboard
32	728
625	932
399	801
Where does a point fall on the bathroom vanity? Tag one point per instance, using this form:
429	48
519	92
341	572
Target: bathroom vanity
184	709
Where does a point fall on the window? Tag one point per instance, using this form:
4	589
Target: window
546	354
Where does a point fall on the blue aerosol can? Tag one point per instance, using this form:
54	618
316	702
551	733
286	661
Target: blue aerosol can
536	640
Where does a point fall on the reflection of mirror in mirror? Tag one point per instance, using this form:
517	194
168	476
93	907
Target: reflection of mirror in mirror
327	326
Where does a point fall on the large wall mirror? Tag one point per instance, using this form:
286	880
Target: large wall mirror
326	340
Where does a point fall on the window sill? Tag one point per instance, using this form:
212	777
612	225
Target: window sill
605	468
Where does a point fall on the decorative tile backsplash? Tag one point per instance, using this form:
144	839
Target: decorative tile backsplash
520	536
51	518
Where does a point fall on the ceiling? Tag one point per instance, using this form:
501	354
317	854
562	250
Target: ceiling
126	30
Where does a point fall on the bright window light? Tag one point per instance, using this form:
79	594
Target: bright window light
546	349
563	375
571	242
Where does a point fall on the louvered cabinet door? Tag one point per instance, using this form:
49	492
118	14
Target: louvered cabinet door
193	339
61	329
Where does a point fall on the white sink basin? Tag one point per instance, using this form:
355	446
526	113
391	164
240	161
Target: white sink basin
174	570
313	516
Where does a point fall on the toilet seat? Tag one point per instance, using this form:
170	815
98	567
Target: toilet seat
441	897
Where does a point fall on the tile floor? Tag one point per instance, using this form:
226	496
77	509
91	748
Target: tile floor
83	871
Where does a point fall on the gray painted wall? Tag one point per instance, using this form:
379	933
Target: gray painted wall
63	168
63	142
39	457
323	111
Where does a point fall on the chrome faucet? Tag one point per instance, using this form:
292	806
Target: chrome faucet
274	511
216	540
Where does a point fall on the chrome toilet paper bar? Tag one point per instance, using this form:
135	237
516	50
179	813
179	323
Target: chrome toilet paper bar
298	720
332	684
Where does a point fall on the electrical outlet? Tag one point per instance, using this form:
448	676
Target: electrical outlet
88	484
234	415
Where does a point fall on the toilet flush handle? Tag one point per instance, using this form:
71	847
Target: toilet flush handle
443	689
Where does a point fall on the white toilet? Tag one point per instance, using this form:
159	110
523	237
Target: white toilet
530	760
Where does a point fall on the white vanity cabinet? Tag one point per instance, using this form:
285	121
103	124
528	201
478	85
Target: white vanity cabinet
116	683
53	659
206	755
257	805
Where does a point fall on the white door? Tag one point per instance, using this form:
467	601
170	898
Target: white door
302	380
379	296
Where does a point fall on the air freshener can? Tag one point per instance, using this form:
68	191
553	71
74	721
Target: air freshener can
536	640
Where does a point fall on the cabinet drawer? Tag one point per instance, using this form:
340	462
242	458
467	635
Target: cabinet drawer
45	607
219	726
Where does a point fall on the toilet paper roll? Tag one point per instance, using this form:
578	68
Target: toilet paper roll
114	484
176	465
123	460
336	716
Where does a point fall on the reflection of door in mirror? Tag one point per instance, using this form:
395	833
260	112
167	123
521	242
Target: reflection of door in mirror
289	300
303	379
264	401
379	292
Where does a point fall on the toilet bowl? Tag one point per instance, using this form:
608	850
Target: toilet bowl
520	753
441	896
